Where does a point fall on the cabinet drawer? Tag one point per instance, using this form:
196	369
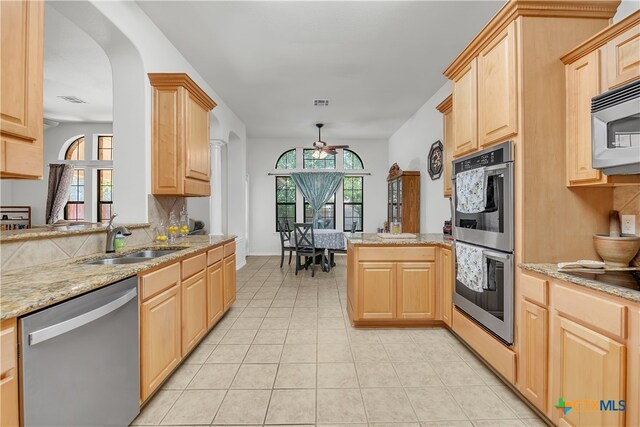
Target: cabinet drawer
153	283
193	265
214	255
229	249
534	289
386	253
592	311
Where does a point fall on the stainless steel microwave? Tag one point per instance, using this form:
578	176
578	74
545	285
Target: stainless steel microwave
615	130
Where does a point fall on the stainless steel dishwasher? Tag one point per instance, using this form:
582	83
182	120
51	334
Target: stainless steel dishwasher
80	363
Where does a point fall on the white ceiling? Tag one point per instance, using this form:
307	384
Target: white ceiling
75	65
377	62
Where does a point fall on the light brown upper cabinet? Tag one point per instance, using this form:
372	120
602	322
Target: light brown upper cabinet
446	108
21	64
465	110
180	151
497	88
623	57
605	61
582	85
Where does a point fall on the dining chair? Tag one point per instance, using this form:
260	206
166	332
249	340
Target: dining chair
285	240
354	227
305	247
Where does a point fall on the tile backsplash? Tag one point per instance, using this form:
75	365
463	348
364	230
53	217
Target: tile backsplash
626	200
29	253
161	206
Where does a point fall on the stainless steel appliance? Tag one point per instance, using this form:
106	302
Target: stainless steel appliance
615	130
80	363
492	232
492	228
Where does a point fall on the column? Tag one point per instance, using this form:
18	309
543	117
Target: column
216	200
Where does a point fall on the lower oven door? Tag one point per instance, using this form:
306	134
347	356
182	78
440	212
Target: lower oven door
493	307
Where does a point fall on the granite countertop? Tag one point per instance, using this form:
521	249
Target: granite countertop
551	270
30	289
423	239
47	232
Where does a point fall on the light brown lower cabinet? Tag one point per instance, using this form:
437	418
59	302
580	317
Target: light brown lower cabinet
194	310
446	285
229	281
215	293
416	286
589	367
9	408
534	349
160	327
377	290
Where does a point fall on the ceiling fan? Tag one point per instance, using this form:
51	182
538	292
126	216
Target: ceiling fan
321	149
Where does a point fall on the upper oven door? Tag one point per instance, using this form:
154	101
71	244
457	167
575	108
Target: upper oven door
492	228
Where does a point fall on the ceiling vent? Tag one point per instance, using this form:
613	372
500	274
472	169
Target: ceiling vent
73	99
320	102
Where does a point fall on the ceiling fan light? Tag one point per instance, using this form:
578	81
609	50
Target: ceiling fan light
316	154
323	155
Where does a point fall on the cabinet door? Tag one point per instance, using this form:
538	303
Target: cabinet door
9	409
465	111
160	342
198	151
215	293
533	339
166	148
21	63
587	366
377	290
582	85
497	88
194	310
416	290
229	281
623	58
448	152
446	284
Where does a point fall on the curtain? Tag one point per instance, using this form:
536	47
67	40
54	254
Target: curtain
60	177
317	188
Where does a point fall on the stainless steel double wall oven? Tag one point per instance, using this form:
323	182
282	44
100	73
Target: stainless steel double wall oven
491	231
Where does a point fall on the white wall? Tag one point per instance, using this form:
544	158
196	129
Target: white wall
34	192
261	159
135	47
409	147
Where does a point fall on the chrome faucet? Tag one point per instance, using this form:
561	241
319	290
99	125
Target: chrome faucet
112	232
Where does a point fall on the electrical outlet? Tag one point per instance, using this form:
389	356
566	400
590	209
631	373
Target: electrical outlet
628	224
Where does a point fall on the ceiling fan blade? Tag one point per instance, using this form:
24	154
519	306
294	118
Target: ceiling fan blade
337	146
330	150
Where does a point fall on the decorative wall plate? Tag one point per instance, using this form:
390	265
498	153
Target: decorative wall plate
435	161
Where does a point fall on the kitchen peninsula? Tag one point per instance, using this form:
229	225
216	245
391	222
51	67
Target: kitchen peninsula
399	282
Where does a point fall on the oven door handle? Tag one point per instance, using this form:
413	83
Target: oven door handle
496	255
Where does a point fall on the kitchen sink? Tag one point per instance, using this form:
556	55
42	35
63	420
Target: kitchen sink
121	260
140	256
151	253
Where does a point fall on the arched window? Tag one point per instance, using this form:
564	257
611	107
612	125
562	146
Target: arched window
287	160
352	160
75	208
352	190
75	151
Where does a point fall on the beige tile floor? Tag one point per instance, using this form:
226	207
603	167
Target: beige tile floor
285	354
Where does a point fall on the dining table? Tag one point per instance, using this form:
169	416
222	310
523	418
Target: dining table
327	239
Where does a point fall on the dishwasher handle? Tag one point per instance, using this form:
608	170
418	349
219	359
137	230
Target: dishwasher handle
53	331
